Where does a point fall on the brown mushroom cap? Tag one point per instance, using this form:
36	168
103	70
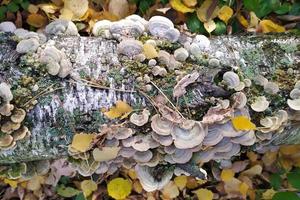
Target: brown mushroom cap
140	119
9	127
18	115
6	140
20	133
6	109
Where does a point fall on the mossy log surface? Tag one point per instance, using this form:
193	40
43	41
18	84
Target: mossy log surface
72	106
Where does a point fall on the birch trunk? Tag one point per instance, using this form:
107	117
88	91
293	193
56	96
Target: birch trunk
72	106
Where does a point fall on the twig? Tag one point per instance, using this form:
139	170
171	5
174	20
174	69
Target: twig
150	100
167	99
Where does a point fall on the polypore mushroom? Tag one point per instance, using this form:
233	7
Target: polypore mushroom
295	93
101	28
122	133
260	80
7	27
159	71
18	115
161	126
9	127
179	88
189	138
271	88
127	28
61	27
181	54
143	156
182	155
20	133
140	119
294	104
153	178
213	137
162	27
163	57
6	141
247	139
163	140
5	92
239	100
127	152
6	109
130	47
260	104
231	79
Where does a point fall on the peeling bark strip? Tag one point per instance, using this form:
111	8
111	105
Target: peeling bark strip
72	106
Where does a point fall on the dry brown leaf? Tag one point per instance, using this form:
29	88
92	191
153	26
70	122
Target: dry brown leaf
36	20
119	8
170	191
202	11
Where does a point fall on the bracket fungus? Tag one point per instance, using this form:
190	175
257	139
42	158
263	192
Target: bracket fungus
189	138
161	126
180	87
260	104
61	27
149	180
130	47
7	26
101	28
231	79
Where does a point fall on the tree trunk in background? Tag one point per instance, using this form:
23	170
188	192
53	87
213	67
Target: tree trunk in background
72	106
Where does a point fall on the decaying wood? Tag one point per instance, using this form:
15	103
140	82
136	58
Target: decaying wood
53	120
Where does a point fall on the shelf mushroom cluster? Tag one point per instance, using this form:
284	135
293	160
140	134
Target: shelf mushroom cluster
12	128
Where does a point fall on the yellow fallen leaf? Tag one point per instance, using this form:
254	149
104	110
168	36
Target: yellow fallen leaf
242	123
36	20
243	21
66	14
225	13
190	3
34	184
170	191
77	7
243	189
227	175
132	174
122	109
48	8
150	51
33	9
204	194
210	26
106	153
81	142
268	194
268	26
202	11
232	186
255	170
180	181
137	187
119	188
11	183
180	7
88	187
254	20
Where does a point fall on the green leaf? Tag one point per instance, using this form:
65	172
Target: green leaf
283	9
275	181
261	7
144	5
194	24
285	196
164	2
80	197
294	179
295	10
67	191
25	5
220	28
13	7
3	10
17	1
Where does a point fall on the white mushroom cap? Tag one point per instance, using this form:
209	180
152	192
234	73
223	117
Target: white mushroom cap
202	42
100	27
7	27
162	27
231	79
159	71
61	27
128	142
140	119
28	46
5	92
161	126
213	137
179	88
294	104
182	155
143	156
247	139
204	156
154	160
271	88
170	149
189	138
137	18
163	140
112	142
122	133
144	143
103	168
223	146
127	152
240	100
295	93
127	28
260	80
227	155
130	47
163	57
148	181
260	104
181	54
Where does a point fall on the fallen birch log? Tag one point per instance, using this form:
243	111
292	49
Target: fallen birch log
189	85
